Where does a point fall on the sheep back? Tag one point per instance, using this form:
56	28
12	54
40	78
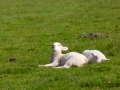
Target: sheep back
73	59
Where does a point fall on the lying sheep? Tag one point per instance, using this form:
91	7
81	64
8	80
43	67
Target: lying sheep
94	56
59	60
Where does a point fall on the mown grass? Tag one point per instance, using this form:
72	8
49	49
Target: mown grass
28	28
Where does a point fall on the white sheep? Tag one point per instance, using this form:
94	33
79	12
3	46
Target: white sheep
94	56
59	60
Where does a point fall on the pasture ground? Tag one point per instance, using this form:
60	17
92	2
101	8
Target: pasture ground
29	27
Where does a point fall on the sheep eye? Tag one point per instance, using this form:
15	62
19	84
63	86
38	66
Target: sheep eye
96	57
59	45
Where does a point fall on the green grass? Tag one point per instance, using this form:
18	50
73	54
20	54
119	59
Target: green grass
29	27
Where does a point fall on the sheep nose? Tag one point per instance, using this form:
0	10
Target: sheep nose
53	46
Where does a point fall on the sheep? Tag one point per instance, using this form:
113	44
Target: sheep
59	60
94	56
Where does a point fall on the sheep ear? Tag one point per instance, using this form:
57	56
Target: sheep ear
93	55
64	48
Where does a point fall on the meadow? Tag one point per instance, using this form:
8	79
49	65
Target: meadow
28	28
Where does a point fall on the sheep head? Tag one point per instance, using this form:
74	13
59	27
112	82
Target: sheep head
97	57
57	47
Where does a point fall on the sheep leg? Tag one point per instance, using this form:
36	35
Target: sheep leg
65	66
106	59
46	65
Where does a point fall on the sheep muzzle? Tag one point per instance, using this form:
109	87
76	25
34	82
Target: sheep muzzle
53	46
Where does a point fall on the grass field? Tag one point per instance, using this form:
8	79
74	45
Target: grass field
29	27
